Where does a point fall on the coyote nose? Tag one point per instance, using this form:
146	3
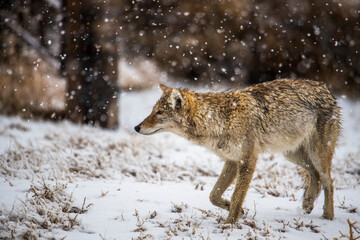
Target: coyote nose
137	128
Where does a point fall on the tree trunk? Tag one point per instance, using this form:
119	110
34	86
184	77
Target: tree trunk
91	62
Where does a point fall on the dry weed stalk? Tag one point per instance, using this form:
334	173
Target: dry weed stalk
140	223
313	227
284	225
298	223
352	228
253	217
350	209
153	215
204	212
178	208
140	228
103	194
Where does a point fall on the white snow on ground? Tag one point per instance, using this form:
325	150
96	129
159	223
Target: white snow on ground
79	182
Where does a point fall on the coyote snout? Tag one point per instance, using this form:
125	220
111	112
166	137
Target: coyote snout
145	129
137	128
299	118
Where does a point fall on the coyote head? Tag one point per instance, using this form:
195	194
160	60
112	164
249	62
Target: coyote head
167	114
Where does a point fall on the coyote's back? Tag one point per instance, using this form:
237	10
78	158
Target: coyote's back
299	118
288	113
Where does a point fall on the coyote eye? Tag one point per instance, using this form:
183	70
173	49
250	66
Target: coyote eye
159	112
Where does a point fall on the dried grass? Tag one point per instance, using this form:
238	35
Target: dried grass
64	155
46	207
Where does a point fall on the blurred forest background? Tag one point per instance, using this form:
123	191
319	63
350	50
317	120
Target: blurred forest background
71	58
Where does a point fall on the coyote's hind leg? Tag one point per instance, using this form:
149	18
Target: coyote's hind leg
324	143
322	159
312	184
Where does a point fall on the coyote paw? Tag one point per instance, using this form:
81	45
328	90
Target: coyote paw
230	220
308	210
328	215
308	205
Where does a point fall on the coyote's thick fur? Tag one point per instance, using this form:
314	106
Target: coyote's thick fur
299	118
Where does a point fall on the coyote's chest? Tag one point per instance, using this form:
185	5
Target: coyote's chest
223	146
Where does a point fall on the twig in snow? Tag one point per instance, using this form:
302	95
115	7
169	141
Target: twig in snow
253	217
103	194
352	228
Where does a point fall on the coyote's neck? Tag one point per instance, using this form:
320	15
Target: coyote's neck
203	118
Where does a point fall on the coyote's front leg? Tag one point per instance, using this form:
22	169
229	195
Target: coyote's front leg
226	177
244	175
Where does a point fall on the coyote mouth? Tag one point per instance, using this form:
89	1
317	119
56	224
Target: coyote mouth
156	130
150	133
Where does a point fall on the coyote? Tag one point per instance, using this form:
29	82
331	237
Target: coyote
299	118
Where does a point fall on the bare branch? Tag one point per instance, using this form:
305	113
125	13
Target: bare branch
14	26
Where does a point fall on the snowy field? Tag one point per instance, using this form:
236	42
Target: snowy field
59	180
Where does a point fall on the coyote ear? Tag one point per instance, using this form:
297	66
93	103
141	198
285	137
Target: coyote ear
162	87
176	99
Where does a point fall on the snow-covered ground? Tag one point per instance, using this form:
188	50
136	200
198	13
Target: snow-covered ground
78	182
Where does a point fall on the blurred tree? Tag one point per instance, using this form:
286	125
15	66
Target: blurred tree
34	33
28	62
249	41
91	56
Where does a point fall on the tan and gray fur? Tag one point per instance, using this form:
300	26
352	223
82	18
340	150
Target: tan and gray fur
299	118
